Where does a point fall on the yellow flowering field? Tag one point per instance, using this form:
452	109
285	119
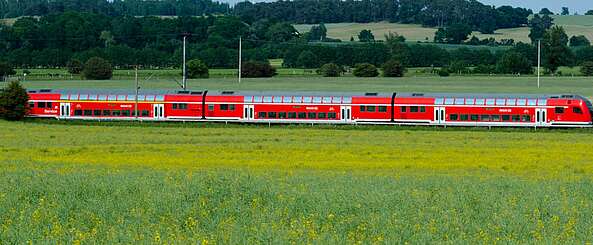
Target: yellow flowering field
204	183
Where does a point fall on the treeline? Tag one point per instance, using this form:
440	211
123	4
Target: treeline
431	13
16	8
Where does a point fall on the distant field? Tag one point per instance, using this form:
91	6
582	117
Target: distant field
199	183
574	25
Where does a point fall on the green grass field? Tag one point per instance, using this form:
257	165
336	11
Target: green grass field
574	25
201	183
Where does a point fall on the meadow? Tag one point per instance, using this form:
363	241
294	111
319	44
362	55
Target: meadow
574	25
203	183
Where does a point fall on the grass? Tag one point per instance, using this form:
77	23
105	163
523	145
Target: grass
574	25
199	183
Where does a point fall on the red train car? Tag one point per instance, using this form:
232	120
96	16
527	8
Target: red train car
338	108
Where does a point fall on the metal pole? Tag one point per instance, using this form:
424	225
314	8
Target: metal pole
539	59
184	71
137	88
239	59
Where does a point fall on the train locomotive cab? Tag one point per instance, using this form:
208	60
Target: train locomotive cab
570	110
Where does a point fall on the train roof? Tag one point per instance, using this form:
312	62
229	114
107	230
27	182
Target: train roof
302	93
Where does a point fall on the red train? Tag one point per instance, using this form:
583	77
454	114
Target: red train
565	110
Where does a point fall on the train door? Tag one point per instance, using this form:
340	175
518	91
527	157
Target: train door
346	113
64	109
248	112
541	117
439	115
158	111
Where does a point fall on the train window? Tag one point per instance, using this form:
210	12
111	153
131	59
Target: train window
559	110
321	115
480	101
489	101
267	99
231	107
526	118
277	99
287	99
371	108
331	115
271	114
500	101
144	113
93	97
485	118
312	115
31	104
88	112
439	101
78	112
453	117
316	100
160	98
382	108
362	108
48	104
261	114
125	113
183	106
577	110
327	100
542	102
506	118
521	102
474	117
413	108
302	115
422	109
121	97
449	101
459	101
282	115
298	99
106	113
531	102
469	101
511	102
174	106
210	107
116	113
336	99
464	117
96	112
495	118
41	104
258	99
307	99
516	118
292	115
83	97
403	109
224	107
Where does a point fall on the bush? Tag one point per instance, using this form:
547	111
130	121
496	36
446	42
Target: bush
443	72
484	69
257	69
13	102
330	70
587	68
308	60
97	69
74	66
393	68
365	70
514	63
197	69
6	70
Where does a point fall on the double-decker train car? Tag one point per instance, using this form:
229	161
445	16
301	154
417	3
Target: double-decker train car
515	110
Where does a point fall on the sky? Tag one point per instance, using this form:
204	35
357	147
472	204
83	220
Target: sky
581	6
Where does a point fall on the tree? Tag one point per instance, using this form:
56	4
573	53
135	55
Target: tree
587	68
366	36
393	68
538	26
555	50
257	69
590	12
74	66
365	70
577	41
97	69
6	70
440	36
330	70
308	60
565	11
317	33
514	63
455	34
13	102
281	32
197	69
546	11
